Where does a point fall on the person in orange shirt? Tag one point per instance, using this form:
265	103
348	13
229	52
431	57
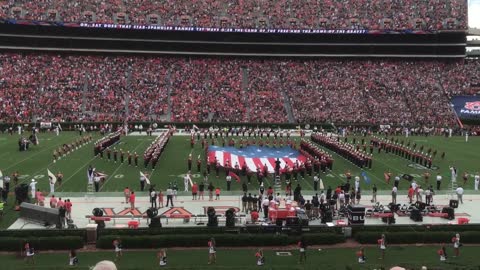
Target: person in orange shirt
411	191
132	200
160	198
217	193
126	193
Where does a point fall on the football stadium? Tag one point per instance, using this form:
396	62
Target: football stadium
310	134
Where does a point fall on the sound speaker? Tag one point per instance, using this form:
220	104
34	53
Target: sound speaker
43	215
212	217
416	215
450	211
230	217
453	203
152	212
155	222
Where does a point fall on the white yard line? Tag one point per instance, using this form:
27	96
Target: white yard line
119	166
31	156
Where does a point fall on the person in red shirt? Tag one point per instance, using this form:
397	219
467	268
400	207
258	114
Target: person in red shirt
194	191
254	216
53	202
60	203
270	191
68	208
217	193
132	200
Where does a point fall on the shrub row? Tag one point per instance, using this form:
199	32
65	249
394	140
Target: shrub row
157	241
206	230
41	243
468	237
43	233
418	228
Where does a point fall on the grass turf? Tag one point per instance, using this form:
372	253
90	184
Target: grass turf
336	258
173	164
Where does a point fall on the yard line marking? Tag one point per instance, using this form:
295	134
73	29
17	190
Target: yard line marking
30	157
45	168
119	166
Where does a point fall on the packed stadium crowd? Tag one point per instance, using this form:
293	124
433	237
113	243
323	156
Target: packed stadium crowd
282	14
53	87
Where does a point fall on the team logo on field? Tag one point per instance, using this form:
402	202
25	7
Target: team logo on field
421	167
473	106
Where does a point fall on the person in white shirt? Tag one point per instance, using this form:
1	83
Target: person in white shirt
341	199
315	182
477	180
52	186
414	185
459	192
439	181
394	195
265	204
453	172
229	182
33	188
357	183
419	193
186	181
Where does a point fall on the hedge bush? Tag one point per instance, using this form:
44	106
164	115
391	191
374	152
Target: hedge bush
207	230
157	241
469	237
41	243
417	228
43	233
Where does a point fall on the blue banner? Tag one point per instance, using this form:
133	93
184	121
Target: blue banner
466	107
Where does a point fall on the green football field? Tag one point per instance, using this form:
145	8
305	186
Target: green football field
173	165
410	257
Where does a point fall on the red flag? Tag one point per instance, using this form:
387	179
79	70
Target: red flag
234	175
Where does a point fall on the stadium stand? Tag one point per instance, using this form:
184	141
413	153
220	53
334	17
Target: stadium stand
97	88
283	14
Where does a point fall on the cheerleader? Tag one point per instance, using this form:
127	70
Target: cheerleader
456	244
383	246
442	253
117	244
73	260
212	251
29	253
361	255
260	257
162	257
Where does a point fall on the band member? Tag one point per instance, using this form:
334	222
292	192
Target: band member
115	153
59	178
136	159
121	156
129	157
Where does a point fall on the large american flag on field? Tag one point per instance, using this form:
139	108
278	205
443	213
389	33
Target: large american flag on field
255	157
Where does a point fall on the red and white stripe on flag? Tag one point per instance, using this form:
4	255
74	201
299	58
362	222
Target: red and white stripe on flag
252	163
